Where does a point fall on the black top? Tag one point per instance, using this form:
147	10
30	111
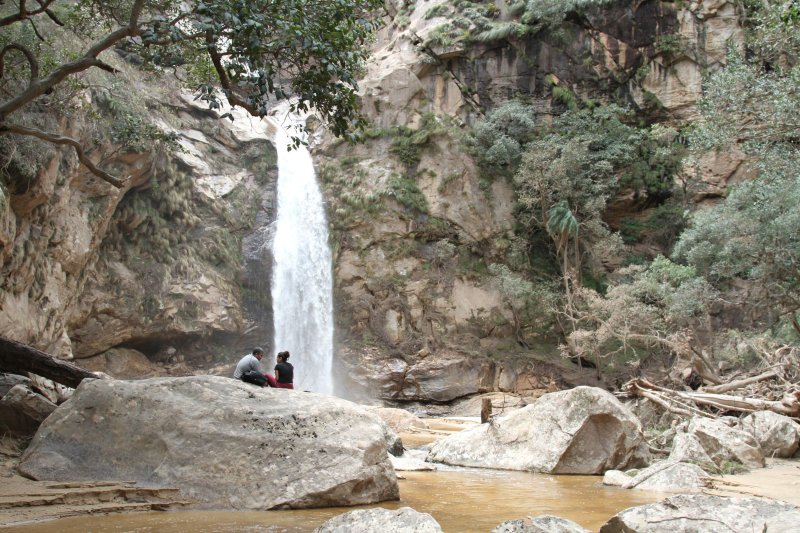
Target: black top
285	372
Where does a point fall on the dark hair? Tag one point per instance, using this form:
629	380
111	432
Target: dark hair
258	349
284	355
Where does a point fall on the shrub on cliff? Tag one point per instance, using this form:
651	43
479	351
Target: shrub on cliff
499	141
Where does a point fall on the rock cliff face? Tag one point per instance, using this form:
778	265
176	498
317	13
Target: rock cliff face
417	224
172	264
87	267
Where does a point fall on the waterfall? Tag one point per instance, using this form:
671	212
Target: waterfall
302	278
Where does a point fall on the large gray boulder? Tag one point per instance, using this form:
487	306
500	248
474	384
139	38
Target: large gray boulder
403	520
222	442
696	513
778	435
584	430
709	442
22	411
540	524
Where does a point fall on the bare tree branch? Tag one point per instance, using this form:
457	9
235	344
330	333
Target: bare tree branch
733	385
36	31
89	59
24	14
49	12
29	56
59	139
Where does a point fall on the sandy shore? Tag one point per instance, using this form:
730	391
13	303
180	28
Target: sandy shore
780	480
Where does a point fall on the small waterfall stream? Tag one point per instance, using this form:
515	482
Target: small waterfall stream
302	278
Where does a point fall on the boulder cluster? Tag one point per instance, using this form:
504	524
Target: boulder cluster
225	444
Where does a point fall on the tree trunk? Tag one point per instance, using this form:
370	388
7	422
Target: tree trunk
17	358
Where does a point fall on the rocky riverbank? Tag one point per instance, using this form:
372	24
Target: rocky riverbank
213	442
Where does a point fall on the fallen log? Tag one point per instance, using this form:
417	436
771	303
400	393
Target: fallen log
739	383
18	358
659	396
789	405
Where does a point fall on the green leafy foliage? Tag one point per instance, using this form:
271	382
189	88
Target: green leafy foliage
350	201
752	237
546	13
588	155
578	163
773	35
662	226
258	51
671	45
498	141
408	143
745	103
650	310
406	192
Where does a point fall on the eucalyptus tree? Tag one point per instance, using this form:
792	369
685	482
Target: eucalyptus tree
256	51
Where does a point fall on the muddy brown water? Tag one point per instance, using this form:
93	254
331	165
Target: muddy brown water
461	500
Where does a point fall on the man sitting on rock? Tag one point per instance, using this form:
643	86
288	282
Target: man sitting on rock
249	368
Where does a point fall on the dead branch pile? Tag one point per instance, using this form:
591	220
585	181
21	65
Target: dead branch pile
773	386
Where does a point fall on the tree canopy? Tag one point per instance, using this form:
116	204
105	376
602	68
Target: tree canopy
256	51
754	235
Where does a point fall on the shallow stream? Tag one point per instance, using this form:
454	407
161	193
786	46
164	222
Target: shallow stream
461	500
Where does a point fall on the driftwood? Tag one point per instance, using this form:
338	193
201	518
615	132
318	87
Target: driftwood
789	406
739	383
18	358
659	396
686	403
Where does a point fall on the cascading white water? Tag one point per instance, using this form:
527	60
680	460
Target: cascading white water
302	278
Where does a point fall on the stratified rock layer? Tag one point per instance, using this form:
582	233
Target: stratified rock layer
584	430
222	442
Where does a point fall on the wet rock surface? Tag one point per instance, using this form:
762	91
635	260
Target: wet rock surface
224	443
580	431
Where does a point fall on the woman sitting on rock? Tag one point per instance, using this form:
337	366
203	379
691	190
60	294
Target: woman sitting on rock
284	373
